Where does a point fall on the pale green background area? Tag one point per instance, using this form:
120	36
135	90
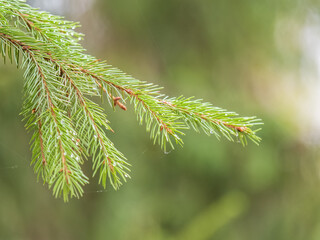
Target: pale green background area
254	57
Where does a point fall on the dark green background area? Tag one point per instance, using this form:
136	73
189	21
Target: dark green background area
246	56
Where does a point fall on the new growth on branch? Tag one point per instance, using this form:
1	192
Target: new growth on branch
68	126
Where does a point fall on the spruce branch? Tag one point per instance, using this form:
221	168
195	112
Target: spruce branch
68	127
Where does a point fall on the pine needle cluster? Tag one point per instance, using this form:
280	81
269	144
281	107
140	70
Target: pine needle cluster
68	127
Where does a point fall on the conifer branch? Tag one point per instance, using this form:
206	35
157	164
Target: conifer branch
68	126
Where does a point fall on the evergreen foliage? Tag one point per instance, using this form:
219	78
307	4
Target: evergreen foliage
68	127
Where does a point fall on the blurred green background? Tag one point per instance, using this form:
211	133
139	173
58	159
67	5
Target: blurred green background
254	57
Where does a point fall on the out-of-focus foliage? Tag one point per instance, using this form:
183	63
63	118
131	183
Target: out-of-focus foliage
253	56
